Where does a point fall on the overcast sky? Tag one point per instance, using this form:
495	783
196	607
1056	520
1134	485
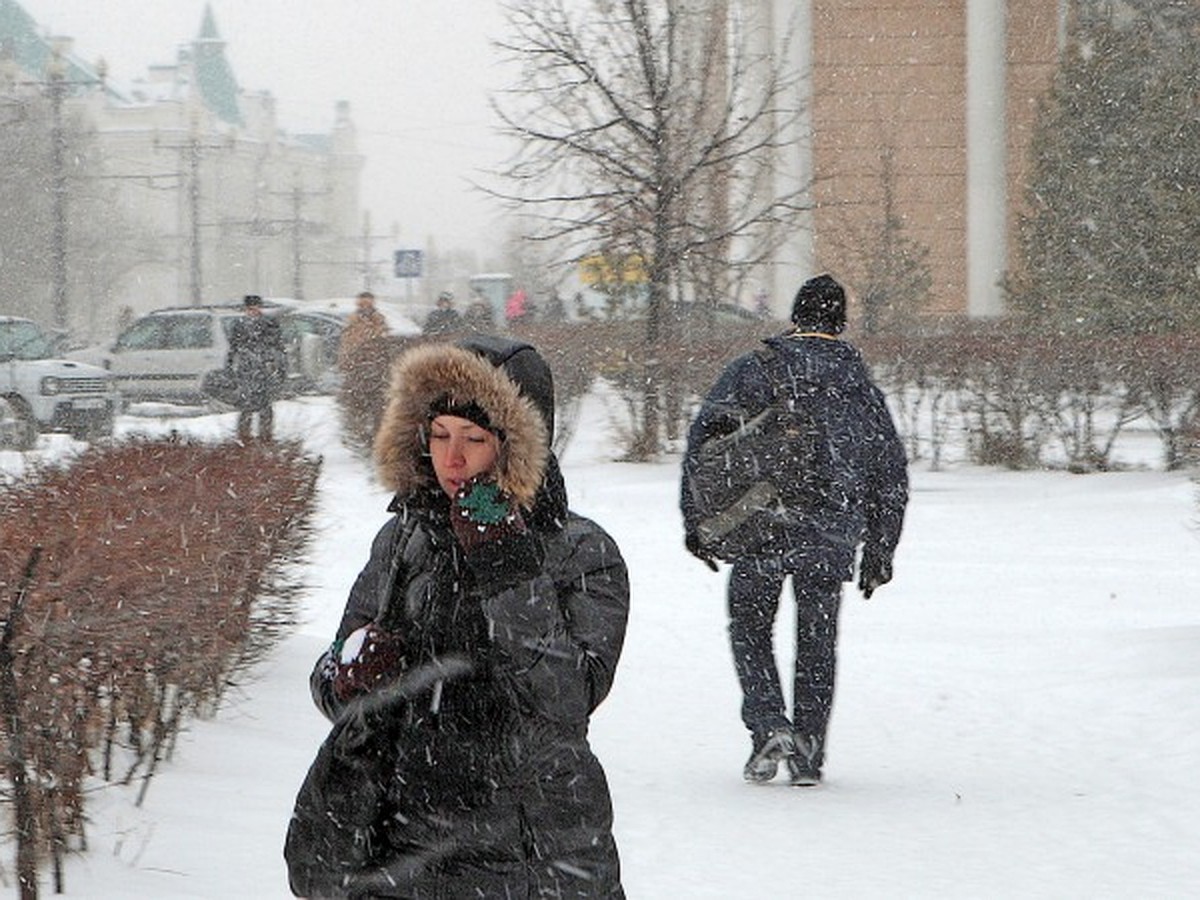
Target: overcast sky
416	73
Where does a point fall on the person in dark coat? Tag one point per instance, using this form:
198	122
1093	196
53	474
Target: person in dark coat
850	490
444	318
494	790
257	362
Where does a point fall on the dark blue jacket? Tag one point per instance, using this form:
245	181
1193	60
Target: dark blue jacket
854	486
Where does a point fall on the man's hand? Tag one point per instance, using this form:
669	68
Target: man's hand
692	542
368	656
874	570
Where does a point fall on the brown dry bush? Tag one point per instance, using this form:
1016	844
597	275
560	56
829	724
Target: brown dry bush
164	572
1018	391
1163	372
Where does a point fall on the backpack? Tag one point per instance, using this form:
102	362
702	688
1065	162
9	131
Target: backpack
744	483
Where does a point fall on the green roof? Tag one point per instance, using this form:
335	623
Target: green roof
22	41
214	76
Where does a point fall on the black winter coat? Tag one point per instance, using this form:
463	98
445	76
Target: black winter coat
257	360
855	488
495	791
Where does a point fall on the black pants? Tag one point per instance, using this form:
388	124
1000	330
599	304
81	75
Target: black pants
266	419
754	593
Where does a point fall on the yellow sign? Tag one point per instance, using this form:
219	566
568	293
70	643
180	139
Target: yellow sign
602	270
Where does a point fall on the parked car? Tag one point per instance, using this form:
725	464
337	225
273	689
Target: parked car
41	393
165	354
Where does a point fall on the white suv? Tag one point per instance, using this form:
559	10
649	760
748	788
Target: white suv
41	393
165	354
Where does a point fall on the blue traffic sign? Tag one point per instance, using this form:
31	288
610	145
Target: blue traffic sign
407	263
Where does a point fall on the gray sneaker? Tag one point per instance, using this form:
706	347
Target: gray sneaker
769	748
804	765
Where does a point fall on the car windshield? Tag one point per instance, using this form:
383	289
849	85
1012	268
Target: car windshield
24	340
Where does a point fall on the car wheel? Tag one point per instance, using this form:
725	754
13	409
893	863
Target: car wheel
18	428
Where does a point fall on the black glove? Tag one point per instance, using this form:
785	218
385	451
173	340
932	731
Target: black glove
692	542
874	570
496	543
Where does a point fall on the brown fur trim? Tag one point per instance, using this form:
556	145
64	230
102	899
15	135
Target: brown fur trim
429	372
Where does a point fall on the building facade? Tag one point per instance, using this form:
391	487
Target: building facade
922	109
226	202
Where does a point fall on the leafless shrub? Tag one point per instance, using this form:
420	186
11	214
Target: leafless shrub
163	572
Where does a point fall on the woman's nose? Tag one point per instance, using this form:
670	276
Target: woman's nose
456	456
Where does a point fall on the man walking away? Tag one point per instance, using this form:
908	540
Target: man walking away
846	486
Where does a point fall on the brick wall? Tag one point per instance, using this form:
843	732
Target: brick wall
889	77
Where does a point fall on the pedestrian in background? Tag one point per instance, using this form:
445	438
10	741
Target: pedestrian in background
478	316
257	363
849	487
364	326
444	319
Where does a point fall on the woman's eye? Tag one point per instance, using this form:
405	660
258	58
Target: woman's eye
438	437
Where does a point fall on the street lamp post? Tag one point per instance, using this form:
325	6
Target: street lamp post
57	87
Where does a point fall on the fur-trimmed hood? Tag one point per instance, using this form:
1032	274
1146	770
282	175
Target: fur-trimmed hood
432	376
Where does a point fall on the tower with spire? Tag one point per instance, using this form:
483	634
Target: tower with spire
213	76
220	199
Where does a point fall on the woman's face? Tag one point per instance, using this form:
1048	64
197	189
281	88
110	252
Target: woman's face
460	450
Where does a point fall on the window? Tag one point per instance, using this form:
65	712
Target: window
23	340
144	334
191	332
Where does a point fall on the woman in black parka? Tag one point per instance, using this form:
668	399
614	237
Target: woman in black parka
493	790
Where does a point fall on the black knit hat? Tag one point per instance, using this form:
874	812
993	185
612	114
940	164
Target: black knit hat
252	300
820	305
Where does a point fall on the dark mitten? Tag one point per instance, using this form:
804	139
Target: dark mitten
692	542
874	570
496	543
367	657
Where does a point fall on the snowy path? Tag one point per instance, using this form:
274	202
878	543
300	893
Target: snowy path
1018	715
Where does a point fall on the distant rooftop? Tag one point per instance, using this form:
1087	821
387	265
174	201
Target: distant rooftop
32	50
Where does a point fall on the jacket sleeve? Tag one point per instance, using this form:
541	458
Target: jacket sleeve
558	634
887	486
362	607
741	392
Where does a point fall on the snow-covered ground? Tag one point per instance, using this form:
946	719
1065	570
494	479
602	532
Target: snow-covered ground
1017	715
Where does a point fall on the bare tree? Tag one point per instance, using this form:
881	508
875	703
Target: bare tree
651	130
893	266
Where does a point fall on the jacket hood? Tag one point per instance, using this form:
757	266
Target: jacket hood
433	376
